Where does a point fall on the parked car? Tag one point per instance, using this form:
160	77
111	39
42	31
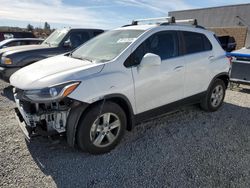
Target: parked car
60	41
15	34
119	79
228	43
19	42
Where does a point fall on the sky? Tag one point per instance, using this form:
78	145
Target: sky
104	14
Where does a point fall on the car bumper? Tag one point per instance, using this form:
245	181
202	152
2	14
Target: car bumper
27	131
5	72
42	122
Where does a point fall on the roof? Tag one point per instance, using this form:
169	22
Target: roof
138	27
182	27
76	28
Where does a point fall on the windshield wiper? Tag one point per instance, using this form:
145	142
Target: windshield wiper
82	58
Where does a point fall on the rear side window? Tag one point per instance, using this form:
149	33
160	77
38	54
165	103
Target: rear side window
164	44
196	42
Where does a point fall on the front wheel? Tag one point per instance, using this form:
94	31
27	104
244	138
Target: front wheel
101	128
214	97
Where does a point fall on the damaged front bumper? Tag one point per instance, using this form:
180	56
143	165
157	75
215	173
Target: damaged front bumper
41	118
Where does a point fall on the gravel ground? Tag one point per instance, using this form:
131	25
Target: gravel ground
189	148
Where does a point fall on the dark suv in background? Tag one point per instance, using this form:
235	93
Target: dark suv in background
59	42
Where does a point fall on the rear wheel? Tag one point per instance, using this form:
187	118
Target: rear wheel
99	132
214	97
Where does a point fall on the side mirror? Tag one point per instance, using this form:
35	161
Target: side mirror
67	44
150	59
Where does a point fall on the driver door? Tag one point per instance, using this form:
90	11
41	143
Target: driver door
162	84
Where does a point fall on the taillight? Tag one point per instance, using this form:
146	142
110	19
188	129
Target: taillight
230	60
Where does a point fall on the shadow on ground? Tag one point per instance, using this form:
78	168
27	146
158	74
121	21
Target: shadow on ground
188	148
8	93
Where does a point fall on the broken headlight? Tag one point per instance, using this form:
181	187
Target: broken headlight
52	93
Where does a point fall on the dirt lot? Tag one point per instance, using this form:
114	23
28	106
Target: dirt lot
189	148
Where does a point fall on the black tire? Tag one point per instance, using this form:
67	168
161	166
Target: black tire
207	103
83	137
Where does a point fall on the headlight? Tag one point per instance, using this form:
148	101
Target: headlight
52	93
6	61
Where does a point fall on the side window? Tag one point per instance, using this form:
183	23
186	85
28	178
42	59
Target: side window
33	42
196	42
14	43
164	44
78	38
95	33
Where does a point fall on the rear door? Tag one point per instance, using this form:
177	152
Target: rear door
198	55
158	85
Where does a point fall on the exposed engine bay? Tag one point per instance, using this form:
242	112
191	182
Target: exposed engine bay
45	118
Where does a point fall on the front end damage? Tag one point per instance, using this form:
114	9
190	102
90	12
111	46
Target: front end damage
42	118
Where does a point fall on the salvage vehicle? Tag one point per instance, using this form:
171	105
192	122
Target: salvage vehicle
120	78
19	42
59	42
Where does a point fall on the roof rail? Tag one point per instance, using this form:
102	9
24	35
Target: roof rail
160	20
187	21
166	21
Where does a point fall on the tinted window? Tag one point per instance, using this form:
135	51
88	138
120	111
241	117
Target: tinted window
196	42
14	43
95	33
34	42
164	44
78	38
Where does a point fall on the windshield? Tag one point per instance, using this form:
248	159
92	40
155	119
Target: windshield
107	46
55	38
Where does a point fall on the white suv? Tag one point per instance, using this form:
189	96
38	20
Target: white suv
118	79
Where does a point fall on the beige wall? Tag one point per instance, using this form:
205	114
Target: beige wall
239	33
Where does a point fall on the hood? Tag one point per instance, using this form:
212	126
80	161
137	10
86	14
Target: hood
23	48
54	70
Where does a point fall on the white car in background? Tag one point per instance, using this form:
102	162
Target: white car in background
119	79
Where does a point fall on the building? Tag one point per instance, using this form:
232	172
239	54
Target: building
232	20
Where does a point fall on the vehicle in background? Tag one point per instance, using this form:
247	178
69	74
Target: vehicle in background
59	42
19	42
15	34
240	73
119	79
228	43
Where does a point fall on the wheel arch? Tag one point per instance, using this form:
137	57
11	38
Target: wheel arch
78	111
222	76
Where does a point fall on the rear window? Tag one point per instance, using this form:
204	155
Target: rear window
196	42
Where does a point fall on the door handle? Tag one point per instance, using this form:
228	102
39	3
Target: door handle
211	57
178	68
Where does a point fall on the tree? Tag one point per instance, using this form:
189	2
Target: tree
30	27
46	26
